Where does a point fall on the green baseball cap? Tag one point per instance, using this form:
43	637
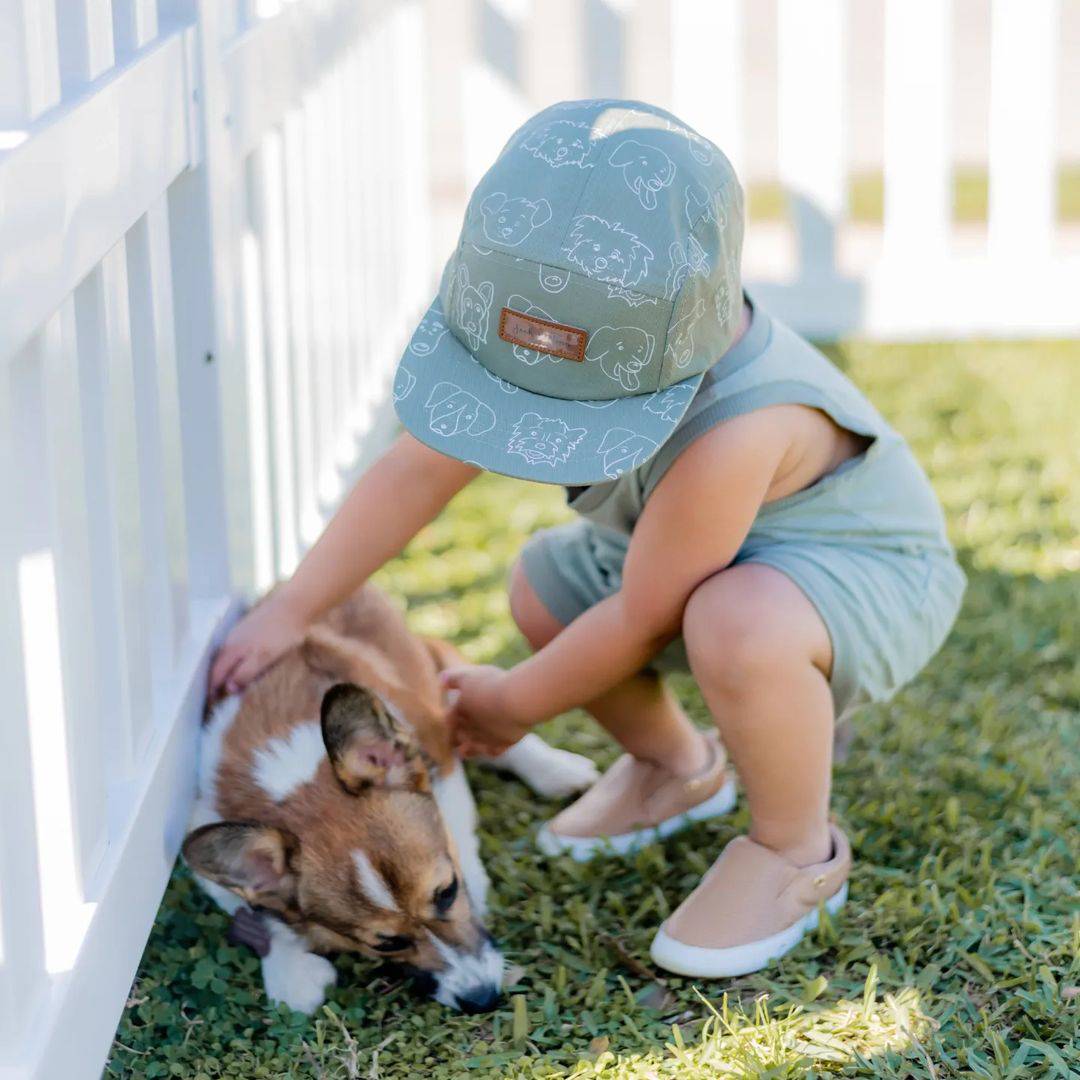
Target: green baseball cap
596	279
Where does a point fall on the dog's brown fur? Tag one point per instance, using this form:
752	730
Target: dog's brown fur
295	856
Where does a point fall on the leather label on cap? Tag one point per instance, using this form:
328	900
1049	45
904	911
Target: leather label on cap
554	338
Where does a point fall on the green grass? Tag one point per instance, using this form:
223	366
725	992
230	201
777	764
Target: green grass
957	954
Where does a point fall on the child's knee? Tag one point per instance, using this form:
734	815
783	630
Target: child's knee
733	638
530	615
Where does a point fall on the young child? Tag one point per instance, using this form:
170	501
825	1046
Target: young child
744	510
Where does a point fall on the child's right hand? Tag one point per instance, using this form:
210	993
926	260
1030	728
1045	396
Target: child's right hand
261	637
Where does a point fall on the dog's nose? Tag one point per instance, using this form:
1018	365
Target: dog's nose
479	999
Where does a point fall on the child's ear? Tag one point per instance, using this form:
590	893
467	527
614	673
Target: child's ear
253	861
368	743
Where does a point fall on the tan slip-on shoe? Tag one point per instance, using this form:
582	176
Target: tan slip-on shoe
636	802
751	908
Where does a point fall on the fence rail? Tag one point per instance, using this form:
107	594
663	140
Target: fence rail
218	219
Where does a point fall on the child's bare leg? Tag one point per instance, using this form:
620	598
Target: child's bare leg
761	655
640	714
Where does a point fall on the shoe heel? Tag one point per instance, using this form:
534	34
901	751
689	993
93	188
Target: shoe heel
832	906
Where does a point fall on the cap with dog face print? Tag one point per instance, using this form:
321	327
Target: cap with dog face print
596	279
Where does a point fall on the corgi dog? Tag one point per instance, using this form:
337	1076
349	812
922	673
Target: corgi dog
333	815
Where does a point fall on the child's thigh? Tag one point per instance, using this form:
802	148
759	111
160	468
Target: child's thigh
887	611
573	566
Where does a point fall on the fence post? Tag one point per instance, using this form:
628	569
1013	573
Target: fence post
197	218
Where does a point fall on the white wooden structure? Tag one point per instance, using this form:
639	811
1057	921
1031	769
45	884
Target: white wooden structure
218	220
195	235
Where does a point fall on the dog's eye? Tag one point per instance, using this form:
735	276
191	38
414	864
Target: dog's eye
395	943
444	898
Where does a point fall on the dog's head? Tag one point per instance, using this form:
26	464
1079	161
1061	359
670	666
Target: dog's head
359	858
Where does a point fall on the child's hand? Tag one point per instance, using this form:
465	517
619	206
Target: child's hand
263	635
480	715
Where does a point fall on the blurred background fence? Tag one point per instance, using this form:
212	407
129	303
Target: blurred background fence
218	221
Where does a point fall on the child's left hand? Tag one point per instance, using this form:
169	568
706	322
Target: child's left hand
481	717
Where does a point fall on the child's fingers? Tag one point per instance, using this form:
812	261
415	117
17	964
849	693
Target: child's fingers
451	677
247	671
222	668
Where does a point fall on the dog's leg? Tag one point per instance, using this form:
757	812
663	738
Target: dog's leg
293	975
458	808
549	771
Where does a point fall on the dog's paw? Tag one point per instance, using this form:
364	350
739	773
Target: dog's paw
556	773
297	978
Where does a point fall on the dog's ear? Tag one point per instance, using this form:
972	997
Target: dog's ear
623	153
541	214
369	743
494	202
254	861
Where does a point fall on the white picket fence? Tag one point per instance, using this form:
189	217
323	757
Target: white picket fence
917	275
201	303
218	220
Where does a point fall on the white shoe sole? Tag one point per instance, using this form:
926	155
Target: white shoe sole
735	960
584	848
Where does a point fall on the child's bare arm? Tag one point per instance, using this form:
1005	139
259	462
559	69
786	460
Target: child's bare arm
390	503
691	528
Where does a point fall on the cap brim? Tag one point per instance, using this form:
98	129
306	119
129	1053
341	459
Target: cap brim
451	403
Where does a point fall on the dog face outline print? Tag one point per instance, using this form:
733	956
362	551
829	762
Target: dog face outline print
686	260
562	142
503	385
404	381
453	411
428	334
553	279
544	440
510	221
646	169
473	308
623	450
622	352
669	403
698	205
606	251
680	343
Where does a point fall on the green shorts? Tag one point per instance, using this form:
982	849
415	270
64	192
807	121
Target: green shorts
887	610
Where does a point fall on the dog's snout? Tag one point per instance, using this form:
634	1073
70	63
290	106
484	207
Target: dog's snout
479	999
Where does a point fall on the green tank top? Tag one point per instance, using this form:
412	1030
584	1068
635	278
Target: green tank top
881	497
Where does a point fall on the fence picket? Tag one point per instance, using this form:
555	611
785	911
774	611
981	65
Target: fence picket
706	71
811	162
163	358
294	142
29	65
58	601
917	172
267	203
22	945
1023	53
85	33
135	23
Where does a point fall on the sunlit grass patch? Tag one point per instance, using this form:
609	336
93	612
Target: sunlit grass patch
958	954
